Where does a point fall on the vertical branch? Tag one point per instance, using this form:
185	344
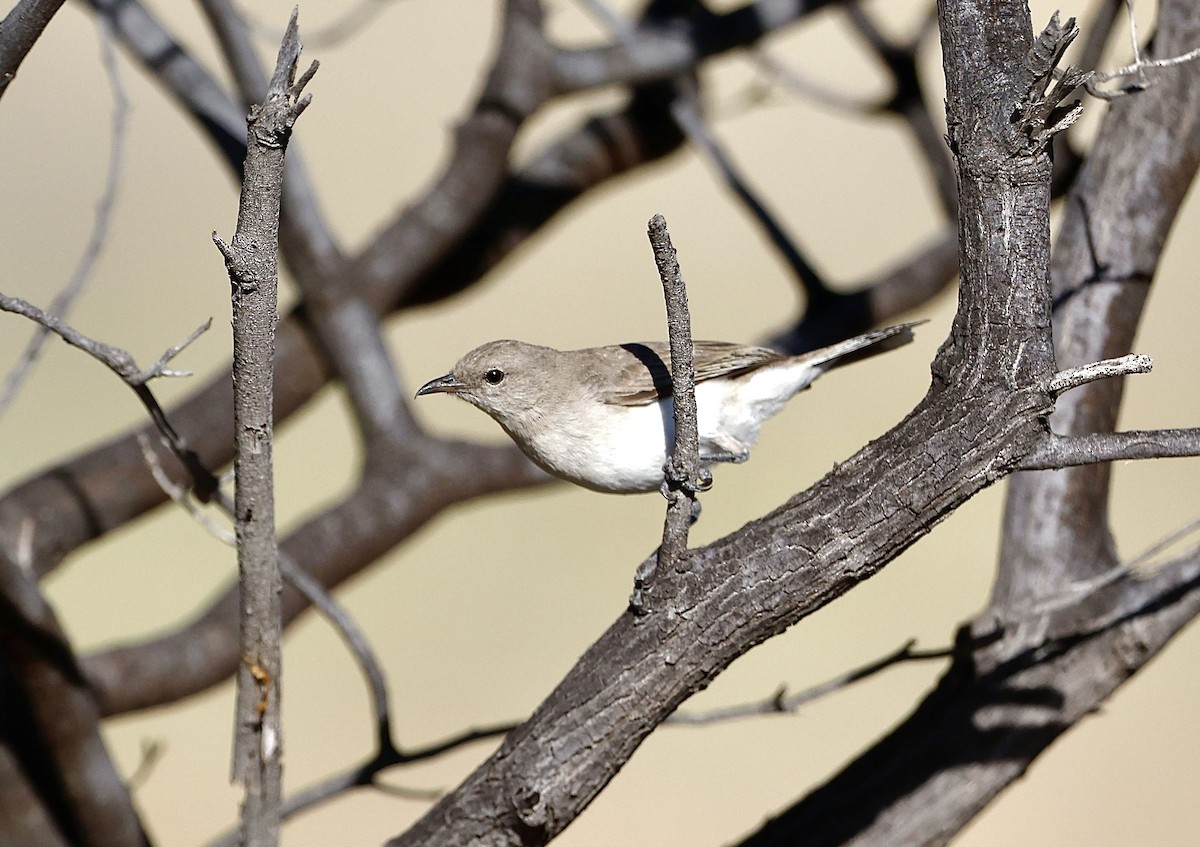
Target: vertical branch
682	470
251	260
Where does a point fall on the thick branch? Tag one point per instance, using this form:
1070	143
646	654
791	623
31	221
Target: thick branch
1031	664
57	774
985	402
1114	228
981	727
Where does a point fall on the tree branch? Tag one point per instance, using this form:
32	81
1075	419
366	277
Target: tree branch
1094	371
58	774
682	473
252	265
1060	451
1032	663
19	30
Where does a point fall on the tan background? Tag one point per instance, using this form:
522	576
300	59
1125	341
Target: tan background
481	613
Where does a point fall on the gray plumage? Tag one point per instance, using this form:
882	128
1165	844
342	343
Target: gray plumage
603	417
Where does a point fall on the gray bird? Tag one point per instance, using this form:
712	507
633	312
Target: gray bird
603	417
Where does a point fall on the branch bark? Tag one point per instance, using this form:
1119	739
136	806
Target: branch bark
1031	666
253	270
682	471
985	404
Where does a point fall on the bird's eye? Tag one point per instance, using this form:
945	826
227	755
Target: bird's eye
494	376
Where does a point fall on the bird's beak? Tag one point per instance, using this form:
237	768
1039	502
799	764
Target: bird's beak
442	385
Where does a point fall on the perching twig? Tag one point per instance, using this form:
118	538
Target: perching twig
251	260
682	471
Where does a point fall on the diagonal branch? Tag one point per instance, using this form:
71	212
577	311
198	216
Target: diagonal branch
19	30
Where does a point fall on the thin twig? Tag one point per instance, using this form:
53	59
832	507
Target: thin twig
1137	68
1159	546
117	359
365	774
1134	363
180	494
152	752
683	476
783	703
686	111
1075	593
100	223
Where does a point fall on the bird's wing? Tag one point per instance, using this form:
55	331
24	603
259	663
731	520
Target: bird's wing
640	374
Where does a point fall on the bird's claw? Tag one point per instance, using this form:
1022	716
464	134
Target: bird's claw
702	482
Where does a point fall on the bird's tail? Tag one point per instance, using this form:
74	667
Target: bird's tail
859	347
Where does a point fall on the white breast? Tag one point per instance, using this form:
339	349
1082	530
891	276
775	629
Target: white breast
622	449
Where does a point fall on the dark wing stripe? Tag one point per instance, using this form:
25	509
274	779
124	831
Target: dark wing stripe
647	377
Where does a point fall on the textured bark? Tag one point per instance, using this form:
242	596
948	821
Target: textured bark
1052	646
1018	680
252	262
984	409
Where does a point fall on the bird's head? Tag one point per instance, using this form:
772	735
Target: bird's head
506	379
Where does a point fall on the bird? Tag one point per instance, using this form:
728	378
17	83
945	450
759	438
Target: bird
603	417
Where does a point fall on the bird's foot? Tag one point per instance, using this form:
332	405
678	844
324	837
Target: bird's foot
703	482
